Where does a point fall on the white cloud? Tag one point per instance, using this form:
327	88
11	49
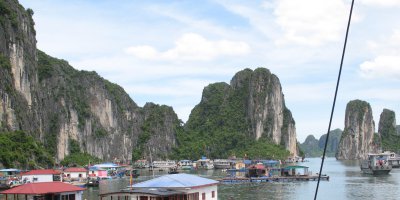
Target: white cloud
385	3
381	66
311	22
192	47
387	60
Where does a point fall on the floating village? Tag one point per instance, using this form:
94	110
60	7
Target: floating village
177	183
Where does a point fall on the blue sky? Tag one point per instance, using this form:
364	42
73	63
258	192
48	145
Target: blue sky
166	52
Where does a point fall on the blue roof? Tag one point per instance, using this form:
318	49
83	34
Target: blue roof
106	165
175	181
10	170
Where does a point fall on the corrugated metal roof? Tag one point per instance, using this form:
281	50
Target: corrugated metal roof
43	188
106	165
42	172
75	169
176	181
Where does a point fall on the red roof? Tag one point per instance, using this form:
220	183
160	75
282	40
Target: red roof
75	169
43	188
257	166
41	172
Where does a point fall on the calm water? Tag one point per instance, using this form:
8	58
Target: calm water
346	182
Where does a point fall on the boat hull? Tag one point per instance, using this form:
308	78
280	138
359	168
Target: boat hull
379	171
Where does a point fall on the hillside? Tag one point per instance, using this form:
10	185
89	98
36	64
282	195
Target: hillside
314	148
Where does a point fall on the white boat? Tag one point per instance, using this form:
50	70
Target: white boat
376	164
394	159
161	164
222	164
185	164
204	163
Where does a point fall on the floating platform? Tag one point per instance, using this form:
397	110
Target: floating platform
272	179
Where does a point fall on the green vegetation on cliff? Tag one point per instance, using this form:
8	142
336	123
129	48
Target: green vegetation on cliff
314	148
19	150
220	127
388	131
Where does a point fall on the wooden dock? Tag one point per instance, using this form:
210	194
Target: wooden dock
273	179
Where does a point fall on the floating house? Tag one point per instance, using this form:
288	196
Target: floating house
97	172
75	173
44	190
8	173
173	186
41	175
295	171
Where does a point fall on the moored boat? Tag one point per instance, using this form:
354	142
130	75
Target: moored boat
222	164
376	164
204	163
161	164
185	164
394	159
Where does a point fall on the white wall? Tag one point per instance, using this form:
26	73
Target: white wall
40	178
75	174
208	190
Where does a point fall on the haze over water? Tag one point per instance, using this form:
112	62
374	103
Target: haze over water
346	182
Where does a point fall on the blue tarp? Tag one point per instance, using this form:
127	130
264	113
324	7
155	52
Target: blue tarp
175	181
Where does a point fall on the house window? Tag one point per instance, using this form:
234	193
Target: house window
203	196
213	194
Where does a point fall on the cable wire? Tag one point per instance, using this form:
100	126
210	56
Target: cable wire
334	99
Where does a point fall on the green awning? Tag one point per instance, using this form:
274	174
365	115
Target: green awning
295	167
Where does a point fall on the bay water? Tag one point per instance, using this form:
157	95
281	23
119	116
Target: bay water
346	182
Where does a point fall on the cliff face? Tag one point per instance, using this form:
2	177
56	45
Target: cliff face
55	103
18	83
387	123
388	131
252	104
358	138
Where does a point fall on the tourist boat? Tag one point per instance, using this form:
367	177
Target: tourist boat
376	164
222	164
394	159
161	164
204	163
185	164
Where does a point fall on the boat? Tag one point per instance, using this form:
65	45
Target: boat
204	163
161	164
185	164
376	164
394	159
222	164
173	170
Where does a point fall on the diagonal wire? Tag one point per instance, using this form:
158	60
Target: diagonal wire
334	100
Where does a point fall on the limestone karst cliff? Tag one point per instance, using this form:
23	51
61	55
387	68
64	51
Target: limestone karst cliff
358	137
55	103
388	131
252	105
60	106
